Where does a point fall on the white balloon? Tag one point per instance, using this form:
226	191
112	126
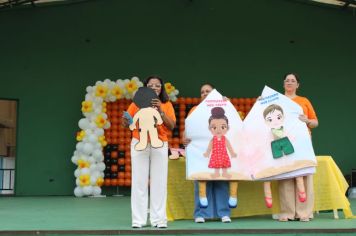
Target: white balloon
92	180
89	97
112	98
83	157
88	148
91	159
77	173
88	190
84	171
120	82
77	181
97	153
107	125
99	158
97	146
107	81
97	110
101	166
96	191
88	131
98	101
79	146
94	173
92	125
89	89
99	132
90	116
92	138
74	159
83	123
78	192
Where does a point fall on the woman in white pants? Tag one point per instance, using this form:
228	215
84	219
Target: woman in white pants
151	164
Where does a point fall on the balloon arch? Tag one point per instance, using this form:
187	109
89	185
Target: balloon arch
88	155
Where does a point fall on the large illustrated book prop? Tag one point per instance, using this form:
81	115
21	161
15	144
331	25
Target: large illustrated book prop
271	143
146	119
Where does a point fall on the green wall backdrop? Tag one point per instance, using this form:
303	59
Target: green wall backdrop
50	54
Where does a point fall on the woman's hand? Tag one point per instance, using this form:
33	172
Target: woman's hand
156	103
311	123
225	99
125	122
186	141
304	118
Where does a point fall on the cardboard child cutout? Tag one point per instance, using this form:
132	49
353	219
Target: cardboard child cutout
147	119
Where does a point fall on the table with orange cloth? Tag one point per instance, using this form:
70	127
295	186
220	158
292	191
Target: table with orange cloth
329	187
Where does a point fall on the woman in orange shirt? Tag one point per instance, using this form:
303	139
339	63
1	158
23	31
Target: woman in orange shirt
291	207
151	164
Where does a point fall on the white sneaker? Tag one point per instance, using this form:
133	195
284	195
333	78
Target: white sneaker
226	219
199	220
161	225
136	225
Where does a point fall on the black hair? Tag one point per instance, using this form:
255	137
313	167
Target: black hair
212	86
295	75
163	96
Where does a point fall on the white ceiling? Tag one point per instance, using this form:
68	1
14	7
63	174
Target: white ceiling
345	3
342	4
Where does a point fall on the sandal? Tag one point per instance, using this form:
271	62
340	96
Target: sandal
302	196
268	201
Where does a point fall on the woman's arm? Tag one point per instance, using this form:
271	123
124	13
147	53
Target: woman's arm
167	121
311	123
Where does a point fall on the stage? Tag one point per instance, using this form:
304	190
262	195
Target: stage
111	215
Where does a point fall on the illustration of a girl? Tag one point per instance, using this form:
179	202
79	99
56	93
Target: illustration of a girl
219	157
219	125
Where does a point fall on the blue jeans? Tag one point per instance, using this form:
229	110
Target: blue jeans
217	193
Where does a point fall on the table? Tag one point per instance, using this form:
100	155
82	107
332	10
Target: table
329	186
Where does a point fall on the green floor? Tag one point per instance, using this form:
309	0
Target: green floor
112	215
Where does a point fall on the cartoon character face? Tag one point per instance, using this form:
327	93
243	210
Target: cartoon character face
275	119
218	127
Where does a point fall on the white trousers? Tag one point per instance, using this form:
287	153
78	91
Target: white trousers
149	165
